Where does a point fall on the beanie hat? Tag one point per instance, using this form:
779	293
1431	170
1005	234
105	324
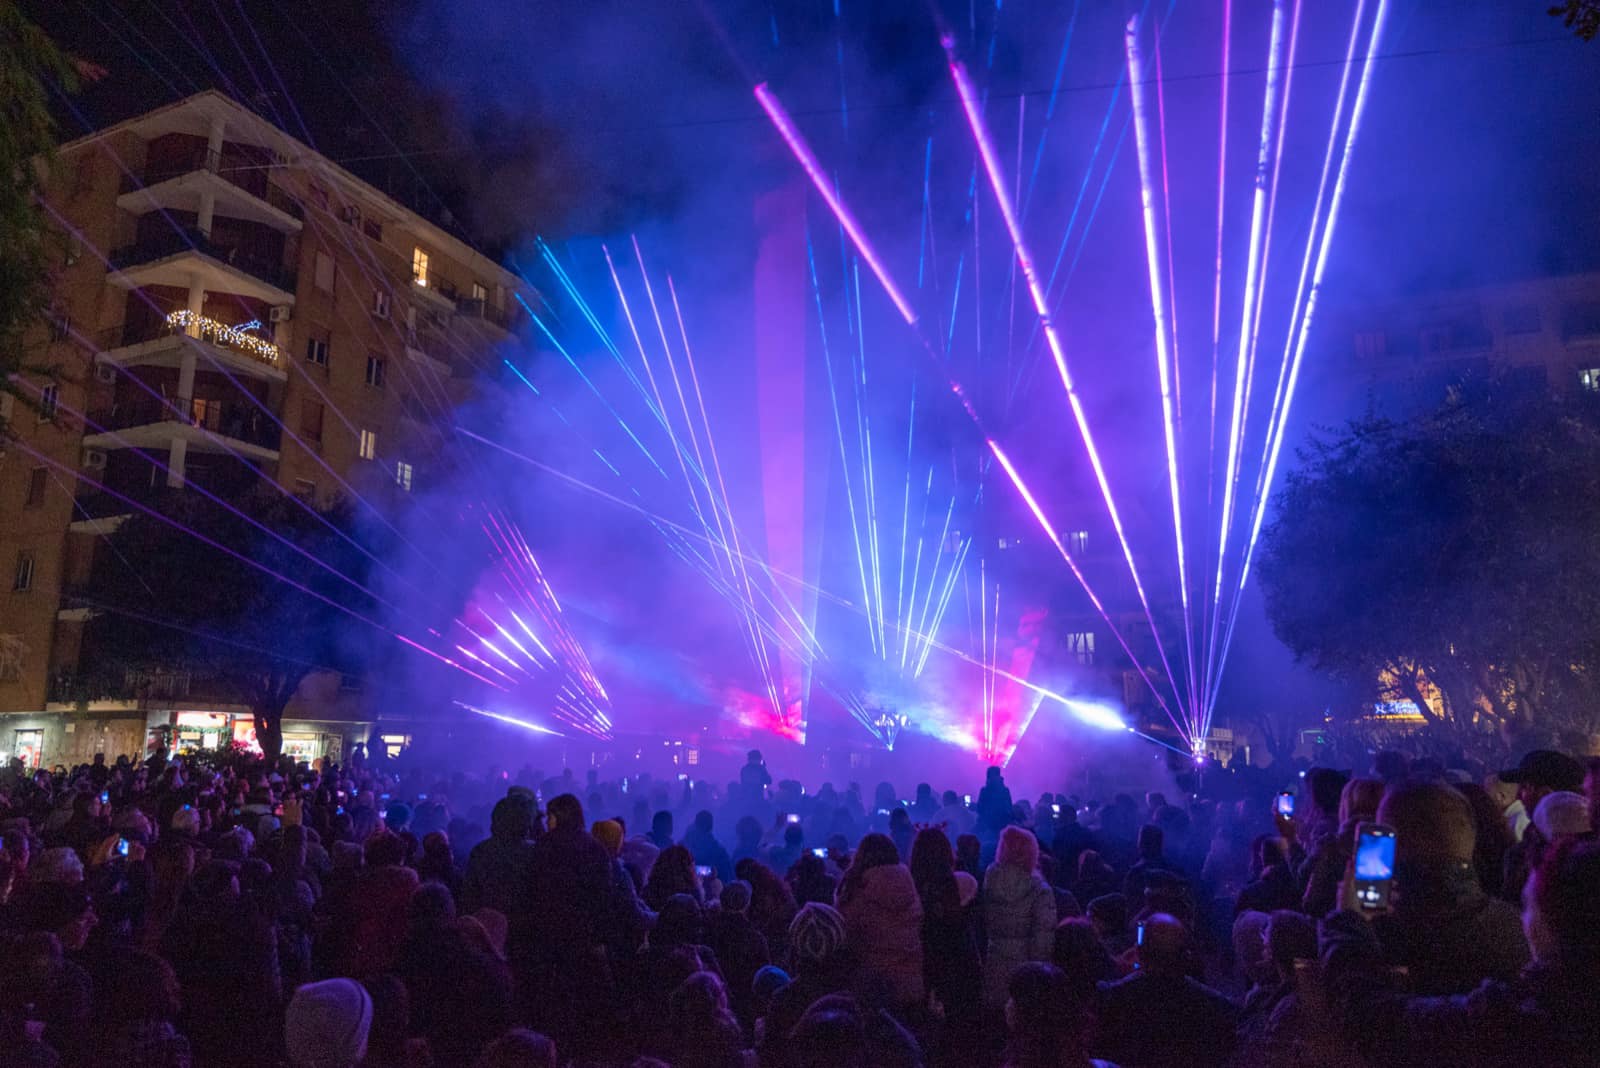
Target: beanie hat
326	1024
817	932
609	834
769	979
1562	813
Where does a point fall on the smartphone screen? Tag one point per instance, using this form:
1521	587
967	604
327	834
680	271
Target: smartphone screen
1055	809
1138	940
1286	804
122	847
703	870
819	853
792	817
883	812
1374	865
967	798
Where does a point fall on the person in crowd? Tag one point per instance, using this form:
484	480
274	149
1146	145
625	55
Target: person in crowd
883	917
839	1031
673	873
1082	957
1540	773
740	948
519	1048
1444	929
1095	877
782	857
772	904
1494	840
625	928
1324	788
820	963
754	777
1327	858
809	881
1272	883
707	851
1152	858
1019	914
1547	1015
954	815
949	947
704	1031
661	829
1047	1020
924	806
901	832
994	804
327	1024
1137	1013
1068	843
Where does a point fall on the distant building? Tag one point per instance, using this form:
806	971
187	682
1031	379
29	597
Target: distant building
219	278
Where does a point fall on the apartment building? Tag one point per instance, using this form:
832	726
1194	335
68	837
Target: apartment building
235	306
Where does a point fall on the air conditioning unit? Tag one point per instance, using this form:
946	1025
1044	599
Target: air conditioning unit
94	460
280	313
105	372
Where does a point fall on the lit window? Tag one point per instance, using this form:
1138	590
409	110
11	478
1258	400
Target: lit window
479	293
402	475
1078	541
1589	378
49	401
369	444
36	485
376	368
317	351
380	304
1081	645
23	579
419	267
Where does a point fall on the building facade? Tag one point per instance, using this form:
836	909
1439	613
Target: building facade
230	307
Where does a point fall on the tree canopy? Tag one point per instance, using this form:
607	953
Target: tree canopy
1452	561
247	615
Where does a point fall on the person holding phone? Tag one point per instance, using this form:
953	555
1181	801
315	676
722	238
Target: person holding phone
1160	1015
1437	921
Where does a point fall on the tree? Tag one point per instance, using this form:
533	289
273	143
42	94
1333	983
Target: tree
1582	17
30	64
250	627
1453	562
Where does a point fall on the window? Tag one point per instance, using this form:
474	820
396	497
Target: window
1589	379
380	304
369	444
419	267
49	401
311	420
319	196
322	274
372	228
1523	319
206	412
1080	644
23	580
377	366
402	475
1371	344
36	484
60	326
1078	541
479	293
305	489
317	351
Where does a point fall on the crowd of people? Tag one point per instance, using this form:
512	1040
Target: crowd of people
176	912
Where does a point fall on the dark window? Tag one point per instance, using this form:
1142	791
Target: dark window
49	401
305	489
373	229
23	580
377	367
1371	344
36	484
317	351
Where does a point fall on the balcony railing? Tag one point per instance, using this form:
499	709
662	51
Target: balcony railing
251	179
231	419
234	338
478	308
173	242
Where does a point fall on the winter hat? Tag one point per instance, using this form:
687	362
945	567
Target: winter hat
1562	813
186	820
59	865
609	834
817	932
326	1024
768	981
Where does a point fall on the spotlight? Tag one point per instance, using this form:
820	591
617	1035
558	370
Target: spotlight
1096	715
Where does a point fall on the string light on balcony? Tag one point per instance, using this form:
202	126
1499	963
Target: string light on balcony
208	329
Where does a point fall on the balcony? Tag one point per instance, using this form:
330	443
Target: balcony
437	294
163	343
480	310
176	257
240	191
146	423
